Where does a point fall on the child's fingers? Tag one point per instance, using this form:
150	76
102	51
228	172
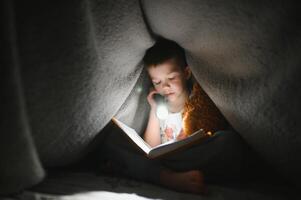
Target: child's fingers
153	91
150	97
151	94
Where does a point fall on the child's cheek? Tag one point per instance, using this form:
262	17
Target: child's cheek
176	84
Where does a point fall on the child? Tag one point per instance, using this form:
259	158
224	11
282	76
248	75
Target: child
171	77
218	159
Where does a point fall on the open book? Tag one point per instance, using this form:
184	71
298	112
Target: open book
153	152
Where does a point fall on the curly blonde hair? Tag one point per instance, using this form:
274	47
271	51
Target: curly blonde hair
201	113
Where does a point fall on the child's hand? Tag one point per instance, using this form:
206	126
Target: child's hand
150	98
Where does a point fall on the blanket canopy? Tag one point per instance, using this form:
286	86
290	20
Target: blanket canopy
68	68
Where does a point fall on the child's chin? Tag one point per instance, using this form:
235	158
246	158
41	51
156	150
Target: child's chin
171	98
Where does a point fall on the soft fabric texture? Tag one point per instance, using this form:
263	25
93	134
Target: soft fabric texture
68	67
20	165
78	63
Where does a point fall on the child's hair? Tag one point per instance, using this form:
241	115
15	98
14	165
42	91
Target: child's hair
162	51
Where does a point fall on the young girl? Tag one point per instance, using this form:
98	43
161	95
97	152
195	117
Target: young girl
189	108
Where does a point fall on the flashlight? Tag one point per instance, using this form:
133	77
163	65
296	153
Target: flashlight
162	111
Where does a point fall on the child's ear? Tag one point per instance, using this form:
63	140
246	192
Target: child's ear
187	72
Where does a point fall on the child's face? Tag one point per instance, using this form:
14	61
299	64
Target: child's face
170	80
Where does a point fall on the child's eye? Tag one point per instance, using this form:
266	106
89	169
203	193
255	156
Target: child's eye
156	83
171	78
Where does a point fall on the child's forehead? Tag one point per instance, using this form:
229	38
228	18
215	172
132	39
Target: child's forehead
168	66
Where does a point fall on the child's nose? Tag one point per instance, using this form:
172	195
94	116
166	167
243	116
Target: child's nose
166	84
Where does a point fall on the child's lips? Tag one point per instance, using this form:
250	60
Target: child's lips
169	94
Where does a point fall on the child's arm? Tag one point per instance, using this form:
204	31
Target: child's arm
152	132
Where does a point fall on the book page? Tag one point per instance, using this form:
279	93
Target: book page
173	145
162	148
133	135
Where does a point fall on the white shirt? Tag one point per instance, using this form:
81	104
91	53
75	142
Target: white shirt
172	124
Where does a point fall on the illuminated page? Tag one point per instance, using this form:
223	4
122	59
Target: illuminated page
173	145
133	135
162	148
